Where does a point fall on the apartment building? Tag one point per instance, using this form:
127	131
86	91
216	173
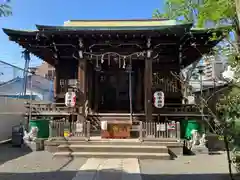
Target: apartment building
45	70
213	67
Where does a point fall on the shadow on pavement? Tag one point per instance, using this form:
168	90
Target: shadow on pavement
108	174
187	177
7	152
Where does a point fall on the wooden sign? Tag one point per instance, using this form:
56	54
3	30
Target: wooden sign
79	127
163	127
171	126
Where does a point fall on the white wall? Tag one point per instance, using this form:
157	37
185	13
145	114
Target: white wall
11	114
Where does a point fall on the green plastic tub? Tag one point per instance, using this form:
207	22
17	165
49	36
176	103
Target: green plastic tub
42	125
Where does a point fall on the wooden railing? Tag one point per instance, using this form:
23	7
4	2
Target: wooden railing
76	129
154	130
48	108
147	130
167	84
65	84
178	109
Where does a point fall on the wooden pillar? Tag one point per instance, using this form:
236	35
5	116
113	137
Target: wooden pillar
90	84
82	64
139	90
96	90
148	89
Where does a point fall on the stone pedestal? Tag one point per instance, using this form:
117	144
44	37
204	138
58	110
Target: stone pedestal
199	149
37	145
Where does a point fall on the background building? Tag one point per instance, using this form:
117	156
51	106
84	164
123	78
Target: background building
45	70
41	89
214	66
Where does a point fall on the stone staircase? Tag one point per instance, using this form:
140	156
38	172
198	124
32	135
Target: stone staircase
115	148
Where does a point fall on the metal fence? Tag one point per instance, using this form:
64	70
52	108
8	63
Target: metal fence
154	130
61	128
14	83
9	72
147	130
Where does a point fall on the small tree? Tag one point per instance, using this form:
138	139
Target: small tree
215	13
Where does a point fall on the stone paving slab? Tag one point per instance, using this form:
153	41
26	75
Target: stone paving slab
109	169
131	169
89	169
199	167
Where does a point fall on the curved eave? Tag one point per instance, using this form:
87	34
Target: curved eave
39	52
12	32
198	34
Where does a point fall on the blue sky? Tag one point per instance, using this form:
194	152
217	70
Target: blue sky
27	13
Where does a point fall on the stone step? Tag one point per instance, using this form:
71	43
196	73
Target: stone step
111	148
56	143
112	142
81	140
162	156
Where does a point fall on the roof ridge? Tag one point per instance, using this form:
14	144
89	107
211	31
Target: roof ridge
120	20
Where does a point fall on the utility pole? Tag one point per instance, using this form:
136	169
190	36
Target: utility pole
26	56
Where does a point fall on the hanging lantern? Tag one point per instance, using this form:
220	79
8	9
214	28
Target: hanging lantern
129	68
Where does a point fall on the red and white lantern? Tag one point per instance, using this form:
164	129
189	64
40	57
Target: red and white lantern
70	99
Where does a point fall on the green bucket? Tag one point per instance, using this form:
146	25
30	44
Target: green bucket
191	125
183	128
42	125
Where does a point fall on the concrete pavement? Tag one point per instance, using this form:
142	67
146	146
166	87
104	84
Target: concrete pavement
199	167
18	164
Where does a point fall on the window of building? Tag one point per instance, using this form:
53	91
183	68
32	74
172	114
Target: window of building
50	73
